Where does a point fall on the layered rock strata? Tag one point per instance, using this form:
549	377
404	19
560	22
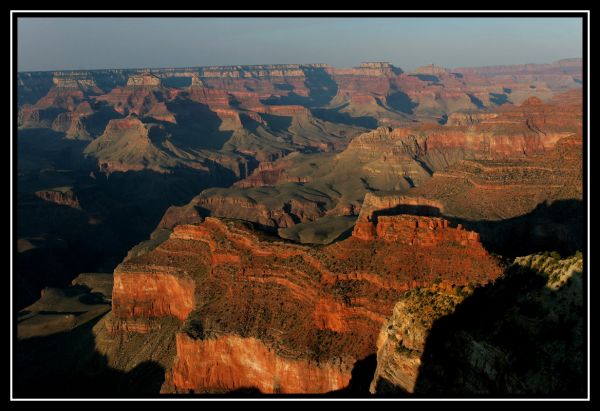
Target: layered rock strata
279	317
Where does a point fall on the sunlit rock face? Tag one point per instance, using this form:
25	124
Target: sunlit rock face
287	318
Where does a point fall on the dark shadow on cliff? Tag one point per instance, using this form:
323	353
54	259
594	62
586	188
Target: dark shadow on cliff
177	82
477	102
401	102
362	375
334	115
418	210
96	123
277	123
288	99
198	127
249	124
557	226
117	212
322	87
38	148
32	93
321	90
344	235
67	365
512	337
427	77
385	388
498	98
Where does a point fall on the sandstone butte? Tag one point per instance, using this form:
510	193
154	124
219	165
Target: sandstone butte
259	313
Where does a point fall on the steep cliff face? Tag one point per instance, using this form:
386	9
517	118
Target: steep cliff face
143	96
402	338
266	80
250	364
498	167
218	100
301	188
376	92
230	106
456	342
495	190
516	83
513	132
139	297
375	204
248	311
68	90
329	302
412	230
406	156
517	206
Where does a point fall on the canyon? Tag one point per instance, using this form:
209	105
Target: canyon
302	316
299	229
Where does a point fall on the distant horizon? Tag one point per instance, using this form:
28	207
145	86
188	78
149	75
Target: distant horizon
105	43
301	63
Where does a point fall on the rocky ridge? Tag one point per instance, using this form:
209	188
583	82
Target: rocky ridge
328	306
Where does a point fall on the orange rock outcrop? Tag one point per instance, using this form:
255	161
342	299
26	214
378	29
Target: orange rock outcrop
284	318
61	196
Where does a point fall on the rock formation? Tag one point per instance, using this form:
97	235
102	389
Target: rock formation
60	195
331	206
126	145
144	80
505	164
142	96
270	174
402	338
330	301
455	342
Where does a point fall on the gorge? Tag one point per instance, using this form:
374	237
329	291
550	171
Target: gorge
300	229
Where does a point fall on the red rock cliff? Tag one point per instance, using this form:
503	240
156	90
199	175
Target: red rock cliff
275	316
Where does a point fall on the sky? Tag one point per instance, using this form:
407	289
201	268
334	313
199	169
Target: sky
97	43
